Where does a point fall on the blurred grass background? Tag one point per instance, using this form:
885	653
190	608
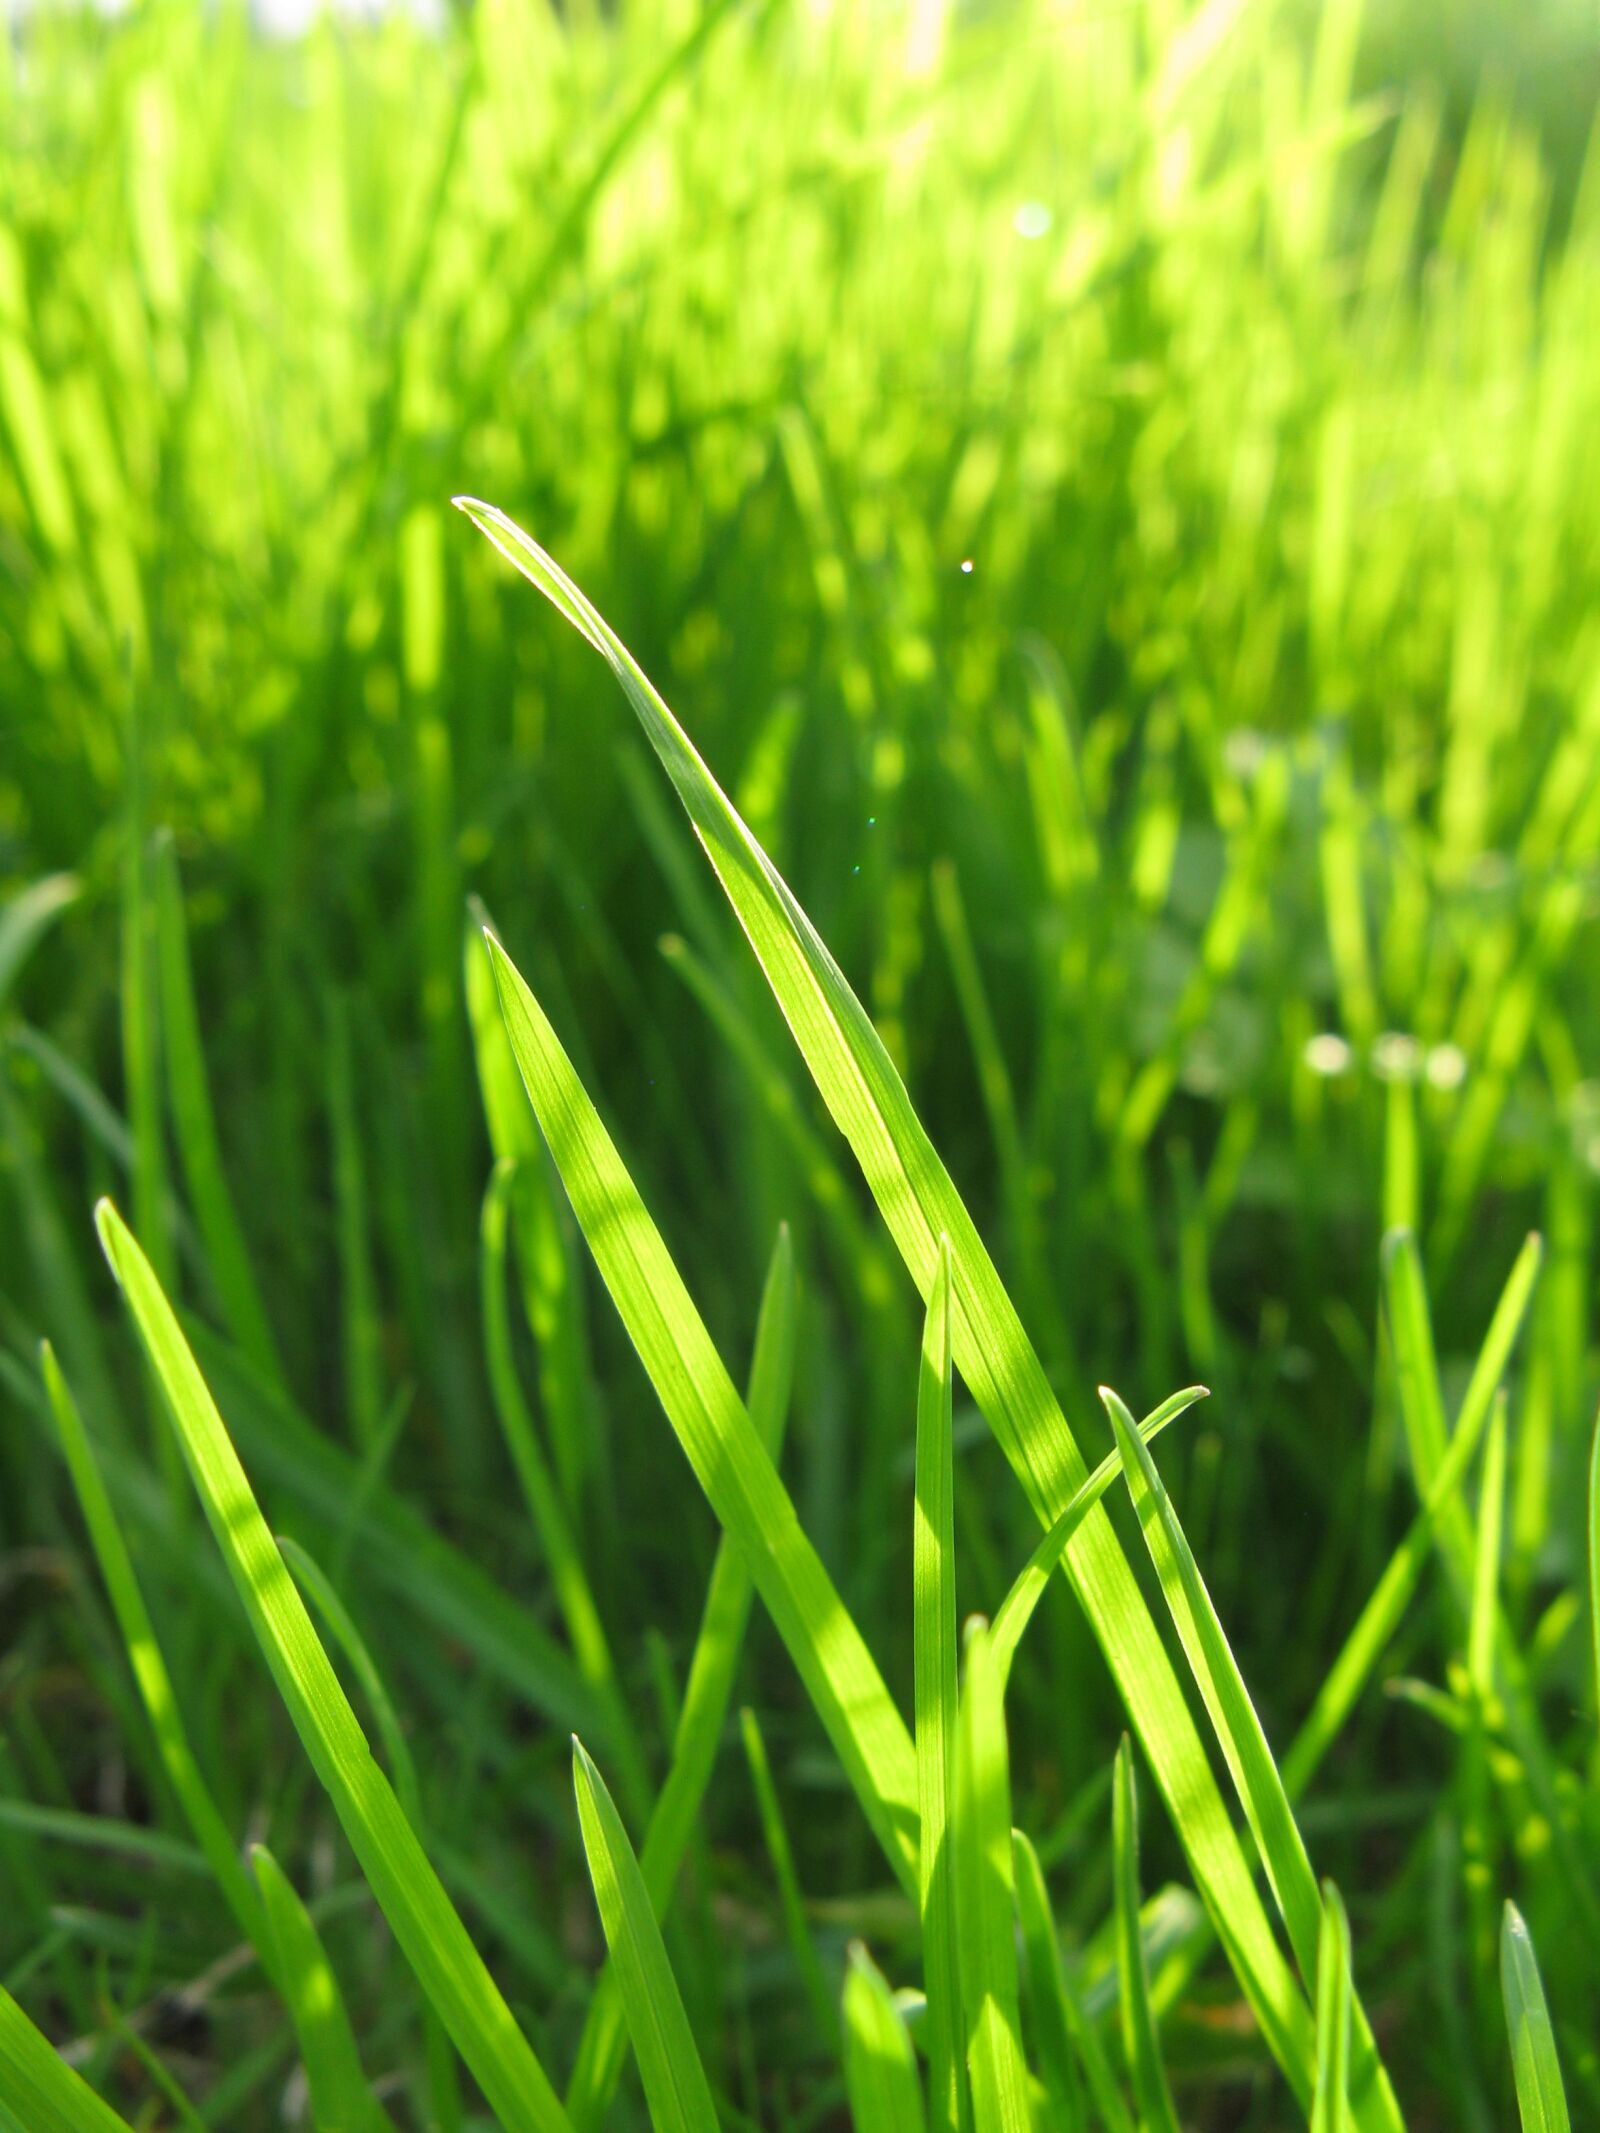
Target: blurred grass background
1112	490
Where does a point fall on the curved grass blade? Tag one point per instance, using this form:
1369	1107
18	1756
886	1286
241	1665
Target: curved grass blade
1334	1992
730	1462
675	2085
144	1657
39	2091
27	917
1541	2099
981	1847
1016	1610
880	2067
341	2099
424	1920
1239	1734
1062	2033
706	1696
868	1101
936	1706
1139	2038
189	1092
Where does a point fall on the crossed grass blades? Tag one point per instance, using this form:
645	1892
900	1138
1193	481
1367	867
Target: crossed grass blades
1003	2026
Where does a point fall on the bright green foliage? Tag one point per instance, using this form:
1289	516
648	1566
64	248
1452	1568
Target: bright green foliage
880	2066
675	2084
1111	492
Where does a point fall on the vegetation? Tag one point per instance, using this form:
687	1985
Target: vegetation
1111	495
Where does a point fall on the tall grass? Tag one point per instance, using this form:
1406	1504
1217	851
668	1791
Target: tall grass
1110	494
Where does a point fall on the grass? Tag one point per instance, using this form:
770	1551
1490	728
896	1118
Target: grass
1111	495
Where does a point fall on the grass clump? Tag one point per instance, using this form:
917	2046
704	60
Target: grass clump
1134	593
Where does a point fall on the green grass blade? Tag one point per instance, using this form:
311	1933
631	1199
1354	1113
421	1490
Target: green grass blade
1541	2098
1139	2037
1239	1734
1381	1615
710	1421
27	917
1061	2032
320	1590
574	1595
981	1848
675	2085
1594	1558
38	2089
547	1257
194	1121
144	1656
859	1083
775	1835
936	1706
428	1576
409	1892
1334	1992
880	2067
341	2100
1016	1610
706	1695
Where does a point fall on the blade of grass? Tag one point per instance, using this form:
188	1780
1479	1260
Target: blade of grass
675	2085
981	1848
26	918
1016	1610
574	1595
1541	2098
706	1696
935	1705
424	1921
319	1589
1333	2016
189	1093
547	1261
868	1101
341	2099
37	2087
710	1421
880	2066
144	1657
1061	2031
1139	2039
775	1835
1239	1734
1594	1558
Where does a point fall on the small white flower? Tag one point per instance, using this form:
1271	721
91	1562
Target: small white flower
1396	1057
1327	1054
1032	219
1446	1067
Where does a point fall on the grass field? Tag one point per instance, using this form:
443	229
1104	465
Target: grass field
1111	496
